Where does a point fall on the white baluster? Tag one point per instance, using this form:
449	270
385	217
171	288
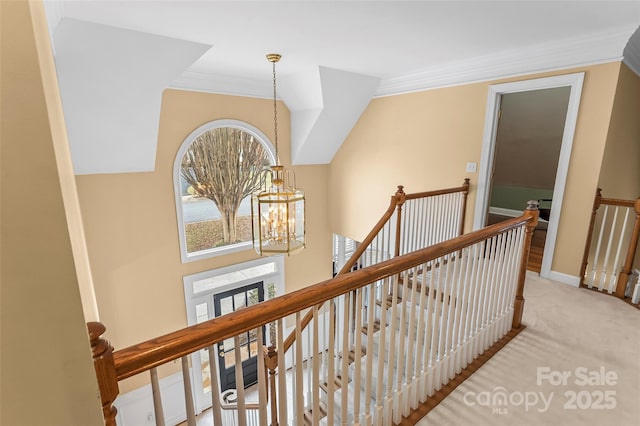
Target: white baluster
262	381
282	377
215	386
242	410
157	397
596	256
369	365
331	352
608	250
315	389
299	379
616	266
188	392
344	376
357	356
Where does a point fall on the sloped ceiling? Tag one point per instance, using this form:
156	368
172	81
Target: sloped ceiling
336	57
111	82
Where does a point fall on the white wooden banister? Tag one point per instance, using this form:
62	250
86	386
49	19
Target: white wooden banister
392	334
611	245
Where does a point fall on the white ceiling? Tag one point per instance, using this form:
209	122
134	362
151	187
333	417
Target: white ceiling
402	46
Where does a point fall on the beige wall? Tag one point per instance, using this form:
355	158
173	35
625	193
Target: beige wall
47	374
423	140
620	173
131	228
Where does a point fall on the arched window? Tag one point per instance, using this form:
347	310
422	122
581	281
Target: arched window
215	172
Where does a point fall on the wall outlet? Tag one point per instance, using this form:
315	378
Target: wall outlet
472	167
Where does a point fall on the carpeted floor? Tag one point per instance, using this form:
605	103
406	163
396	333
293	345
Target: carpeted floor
577	363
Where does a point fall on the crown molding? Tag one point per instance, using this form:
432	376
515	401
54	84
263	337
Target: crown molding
222	84
568	53
561	54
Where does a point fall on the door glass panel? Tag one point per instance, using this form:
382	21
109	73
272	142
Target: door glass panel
226	302
239	300
226	306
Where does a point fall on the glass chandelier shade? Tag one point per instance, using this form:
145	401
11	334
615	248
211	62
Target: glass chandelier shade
277	208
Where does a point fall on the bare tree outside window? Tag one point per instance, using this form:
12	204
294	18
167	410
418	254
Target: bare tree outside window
223	165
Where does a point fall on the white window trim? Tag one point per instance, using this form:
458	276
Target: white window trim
231	248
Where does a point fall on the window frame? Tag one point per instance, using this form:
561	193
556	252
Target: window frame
211	125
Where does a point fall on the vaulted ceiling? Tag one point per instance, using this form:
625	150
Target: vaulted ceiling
115	58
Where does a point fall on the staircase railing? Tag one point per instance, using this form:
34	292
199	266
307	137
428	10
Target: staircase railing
428	217
611	245
420	319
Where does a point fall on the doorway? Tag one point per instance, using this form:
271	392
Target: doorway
493	192
216	292
225	303
527	149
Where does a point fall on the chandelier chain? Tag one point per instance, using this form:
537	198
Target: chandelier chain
275	111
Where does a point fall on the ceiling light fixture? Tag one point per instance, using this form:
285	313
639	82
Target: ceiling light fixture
277	209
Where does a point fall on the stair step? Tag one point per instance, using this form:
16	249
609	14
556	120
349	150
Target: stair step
308	413
376	327
389	301
337	384
352	354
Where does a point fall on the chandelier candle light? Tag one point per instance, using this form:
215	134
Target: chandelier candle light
277	209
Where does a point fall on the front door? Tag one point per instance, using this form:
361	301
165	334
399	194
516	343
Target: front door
227	302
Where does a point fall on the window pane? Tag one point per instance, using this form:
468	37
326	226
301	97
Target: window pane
201	313
253	272
216	208
226	305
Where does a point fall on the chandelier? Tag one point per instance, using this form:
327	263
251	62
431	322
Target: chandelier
277	208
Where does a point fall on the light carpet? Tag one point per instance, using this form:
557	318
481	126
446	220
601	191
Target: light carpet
576	363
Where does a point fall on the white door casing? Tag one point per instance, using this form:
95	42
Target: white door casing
488	150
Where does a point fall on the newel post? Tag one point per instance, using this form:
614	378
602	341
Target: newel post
105	371
465	194
623	277
587	245
400	198
532	215
271	363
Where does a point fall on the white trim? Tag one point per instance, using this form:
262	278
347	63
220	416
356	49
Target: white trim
505	212
192	299
216	124
559	277
585	50
197	81
488	145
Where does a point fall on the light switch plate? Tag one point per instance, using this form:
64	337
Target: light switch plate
472	167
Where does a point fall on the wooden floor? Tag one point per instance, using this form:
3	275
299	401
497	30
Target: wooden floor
537	242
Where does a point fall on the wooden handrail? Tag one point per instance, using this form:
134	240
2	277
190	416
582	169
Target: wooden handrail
397	200
464	188
617	202
154	352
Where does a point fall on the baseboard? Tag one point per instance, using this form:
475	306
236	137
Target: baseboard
505	212
571	280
